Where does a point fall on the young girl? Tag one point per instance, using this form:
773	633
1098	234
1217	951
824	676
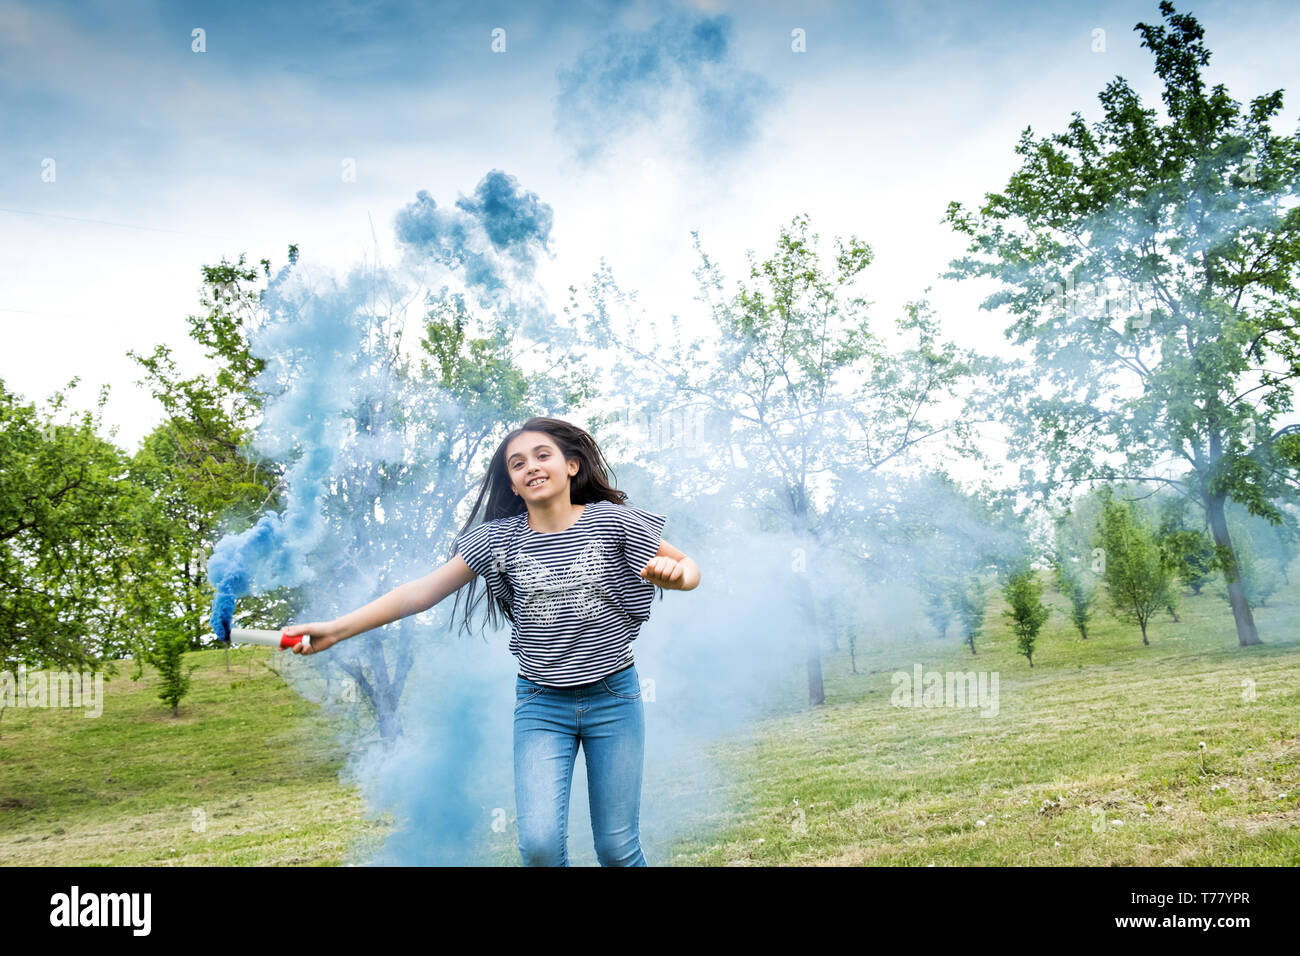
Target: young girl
574	569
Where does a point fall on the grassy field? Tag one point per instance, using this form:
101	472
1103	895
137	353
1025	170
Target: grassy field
1094	757
136	786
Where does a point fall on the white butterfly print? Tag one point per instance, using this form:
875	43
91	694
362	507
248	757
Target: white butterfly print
578	587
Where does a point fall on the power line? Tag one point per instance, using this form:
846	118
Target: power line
122	225
57	315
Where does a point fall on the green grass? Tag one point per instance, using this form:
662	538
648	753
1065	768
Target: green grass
1093	758
246	775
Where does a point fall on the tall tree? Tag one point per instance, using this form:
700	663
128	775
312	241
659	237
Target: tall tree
68	515
408	444
198	464
803	404
442	407
1152	266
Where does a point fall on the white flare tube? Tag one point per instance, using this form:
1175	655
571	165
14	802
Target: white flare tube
252	635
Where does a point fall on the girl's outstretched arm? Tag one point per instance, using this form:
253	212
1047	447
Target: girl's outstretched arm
412	597
672	569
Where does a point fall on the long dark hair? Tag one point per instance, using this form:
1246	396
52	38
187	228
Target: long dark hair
591	483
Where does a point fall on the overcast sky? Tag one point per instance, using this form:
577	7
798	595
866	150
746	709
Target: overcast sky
636	122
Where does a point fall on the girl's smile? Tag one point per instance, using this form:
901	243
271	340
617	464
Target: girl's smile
537	478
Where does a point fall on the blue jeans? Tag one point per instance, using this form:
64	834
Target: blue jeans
607	718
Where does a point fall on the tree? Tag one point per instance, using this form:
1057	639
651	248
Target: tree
954	538
198	464
67	518
1264	551
784	338
407	444
1138	575
1075	589
167	654
1073	559
447	406
808	414
1153	268
937	610
1170	559
970	601
1190	549
1025	608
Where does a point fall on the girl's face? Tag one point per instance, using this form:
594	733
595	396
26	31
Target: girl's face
537	469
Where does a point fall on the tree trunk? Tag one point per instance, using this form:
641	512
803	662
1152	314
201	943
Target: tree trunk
816	692
382	693
1241	613
390	728
812	640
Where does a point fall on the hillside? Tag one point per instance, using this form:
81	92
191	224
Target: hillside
1093	757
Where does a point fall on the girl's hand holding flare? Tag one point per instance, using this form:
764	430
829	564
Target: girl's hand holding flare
323	634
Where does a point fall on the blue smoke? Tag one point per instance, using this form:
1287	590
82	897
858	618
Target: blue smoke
308	343
376	459
494	238
365	464
316	370
626	78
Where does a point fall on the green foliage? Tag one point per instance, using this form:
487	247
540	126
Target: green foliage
1192	555
198	465
937	611
1025	608
1073	560
1139	576
1080	592
969	601
102	553
1190	550
68	516
1152	268
167	654
1264	553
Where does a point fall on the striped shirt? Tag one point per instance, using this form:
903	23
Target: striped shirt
577	595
